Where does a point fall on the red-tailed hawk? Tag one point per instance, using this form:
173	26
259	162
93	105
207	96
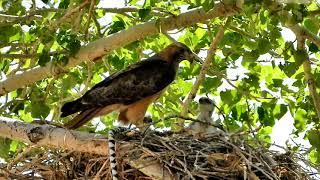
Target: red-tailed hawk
131	90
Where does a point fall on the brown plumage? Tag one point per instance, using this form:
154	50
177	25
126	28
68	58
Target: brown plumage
129	91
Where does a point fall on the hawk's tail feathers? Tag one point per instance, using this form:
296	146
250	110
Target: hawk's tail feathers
81	118
113	155
71	108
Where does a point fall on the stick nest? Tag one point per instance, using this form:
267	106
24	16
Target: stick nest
182	156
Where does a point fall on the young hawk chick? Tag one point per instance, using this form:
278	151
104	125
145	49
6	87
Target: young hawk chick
131	90
206	108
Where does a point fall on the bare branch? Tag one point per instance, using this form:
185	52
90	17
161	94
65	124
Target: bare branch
70	13
104	46
93	2
120	10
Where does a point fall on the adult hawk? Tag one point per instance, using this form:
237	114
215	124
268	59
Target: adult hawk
131	90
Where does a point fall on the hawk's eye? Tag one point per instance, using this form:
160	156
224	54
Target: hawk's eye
181	51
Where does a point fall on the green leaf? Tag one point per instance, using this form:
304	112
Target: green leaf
244	117
264	134
69	82
279	111
229	97
144	12
313	48
253	80
232	39
116	62
73	45
4	65
264	46
289	68
277	82
314	138
300	56
68	40
251	44
261	113
250	56
117	25
210	83
64	4
311	25
4	147
263	18
300	117
44	57
45	1
39	110
15	107
265	118
226	97
314	156
208	5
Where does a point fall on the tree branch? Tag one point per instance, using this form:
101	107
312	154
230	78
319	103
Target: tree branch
291	24
45	135
308	75
8	20
105	46
27	56
120	10
205	66
305	33
92	4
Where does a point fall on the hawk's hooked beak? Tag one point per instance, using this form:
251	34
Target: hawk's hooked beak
191	57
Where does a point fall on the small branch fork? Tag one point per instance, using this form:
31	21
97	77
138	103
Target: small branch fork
204	69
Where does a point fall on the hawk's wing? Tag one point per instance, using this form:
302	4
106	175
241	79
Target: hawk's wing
136	82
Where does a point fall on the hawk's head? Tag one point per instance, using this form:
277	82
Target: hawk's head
177	52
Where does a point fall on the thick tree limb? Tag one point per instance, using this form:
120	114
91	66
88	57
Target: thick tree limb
105	46
205	66
46	135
